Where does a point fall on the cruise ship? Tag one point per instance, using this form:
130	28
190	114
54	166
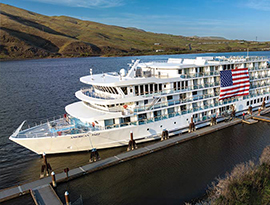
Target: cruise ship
147	98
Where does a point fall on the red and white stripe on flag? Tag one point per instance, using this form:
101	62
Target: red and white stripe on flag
234	83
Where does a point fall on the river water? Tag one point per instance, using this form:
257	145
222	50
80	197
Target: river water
34	90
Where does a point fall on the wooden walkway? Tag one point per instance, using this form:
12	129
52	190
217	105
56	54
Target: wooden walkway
45	195
250	121
262	118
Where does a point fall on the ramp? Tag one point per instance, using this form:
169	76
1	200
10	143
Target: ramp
45	195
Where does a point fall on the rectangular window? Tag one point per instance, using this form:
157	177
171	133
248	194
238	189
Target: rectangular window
145	102
247	103
170	97
136	90
124	89
146	88
156	88
141	90
160	87
151	88
170	110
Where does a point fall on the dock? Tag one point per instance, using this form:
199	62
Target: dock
45	195
262	118
249	121
41	189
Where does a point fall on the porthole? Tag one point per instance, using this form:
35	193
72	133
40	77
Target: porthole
174	122
147	129
160	125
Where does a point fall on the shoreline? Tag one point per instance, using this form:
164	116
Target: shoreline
127	55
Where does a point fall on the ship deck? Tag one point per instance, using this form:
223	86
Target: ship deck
55	128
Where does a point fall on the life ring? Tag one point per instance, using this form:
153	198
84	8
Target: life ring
59	133
93	124
125	106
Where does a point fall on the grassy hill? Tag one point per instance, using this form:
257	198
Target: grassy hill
25	34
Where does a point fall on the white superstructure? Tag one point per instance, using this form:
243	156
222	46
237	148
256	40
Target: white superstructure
145	99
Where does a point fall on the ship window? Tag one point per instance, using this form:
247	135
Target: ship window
136	90
151	88
170	97
142	116
146	89
156	87
174	86
247	103
124	89
251	102
110	89
115	90
109	123
170	110
141	89
157	113
194	93
124	121
145	102
254	101
267	97
160	87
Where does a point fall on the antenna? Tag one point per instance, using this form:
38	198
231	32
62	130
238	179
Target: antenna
91	73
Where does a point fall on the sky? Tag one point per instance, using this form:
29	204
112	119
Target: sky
232	19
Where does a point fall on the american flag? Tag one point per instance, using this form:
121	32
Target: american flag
234	83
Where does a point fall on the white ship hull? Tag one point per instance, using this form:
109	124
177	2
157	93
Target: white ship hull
112	137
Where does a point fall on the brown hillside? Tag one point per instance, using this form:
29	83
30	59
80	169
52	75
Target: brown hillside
26	34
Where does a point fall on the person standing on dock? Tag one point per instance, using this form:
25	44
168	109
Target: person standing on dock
243	116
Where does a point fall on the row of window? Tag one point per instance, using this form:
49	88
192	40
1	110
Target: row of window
107	89
256	101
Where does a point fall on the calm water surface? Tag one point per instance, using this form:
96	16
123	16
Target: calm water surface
38	89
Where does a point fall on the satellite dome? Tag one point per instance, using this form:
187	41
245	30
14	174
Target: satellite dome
123	72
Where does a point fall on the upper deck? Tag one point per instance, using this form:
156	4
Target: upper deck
165	71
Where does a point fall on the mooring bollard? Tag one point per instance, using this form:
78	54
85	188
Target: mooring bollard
53	179
191	125
67	198
263	104
131	144
94	156
46	167
164	135
66	171
250	110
